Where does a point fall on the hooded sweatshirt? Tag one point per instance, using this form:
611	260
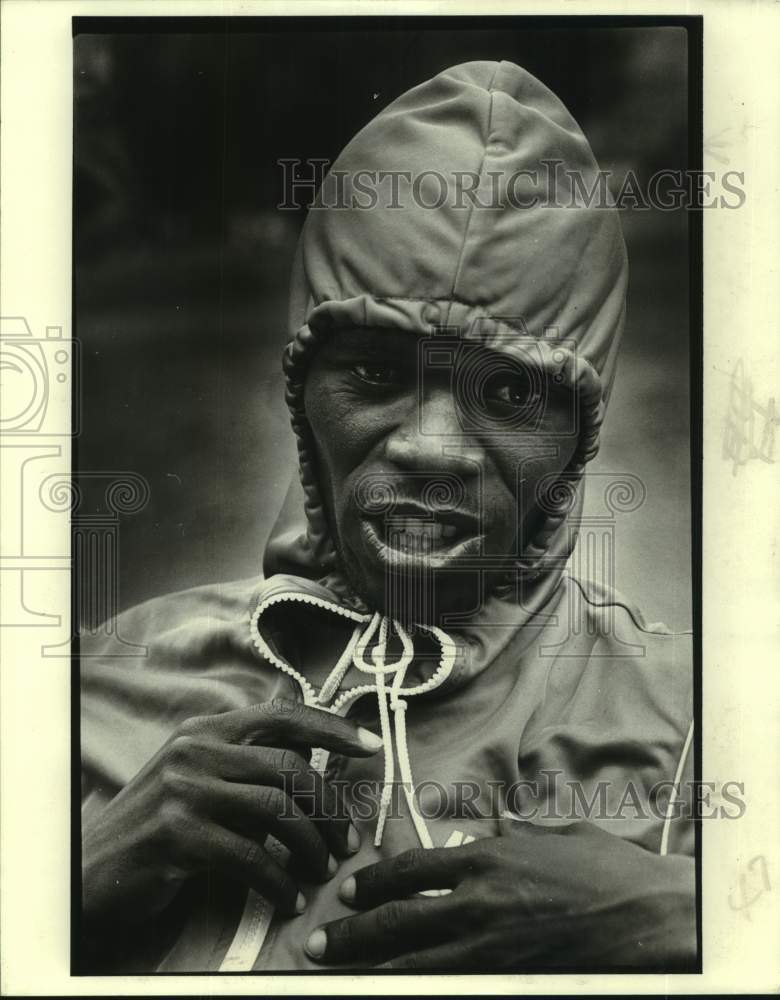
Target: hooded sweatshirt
555	682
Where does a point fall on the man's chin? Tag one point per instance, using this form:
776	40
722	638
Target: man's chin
414	576
417	598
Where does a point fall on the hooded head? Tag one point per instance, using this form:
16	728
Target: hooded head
460	212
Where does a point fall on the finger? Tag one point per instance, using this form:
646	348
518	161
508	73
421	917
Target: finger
325	804
443	958
509	825
244	861
288	770
256	810
382	933
407	873
283	722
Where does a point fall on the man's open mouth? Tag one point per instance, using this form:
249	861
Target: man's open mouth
412	534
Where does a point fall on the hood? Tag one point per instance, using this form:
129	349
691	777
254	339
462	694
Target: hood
517	263
548	278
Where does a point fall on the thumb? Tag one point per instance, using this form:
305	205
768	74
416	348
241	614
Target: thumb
321	728
283	722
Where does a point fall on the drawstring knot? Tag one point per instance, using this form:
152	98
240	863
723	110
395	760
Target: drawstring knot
388	686
390	700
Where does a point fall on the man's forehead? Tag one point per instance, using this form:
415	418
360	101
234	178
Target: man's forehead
373	338
389	340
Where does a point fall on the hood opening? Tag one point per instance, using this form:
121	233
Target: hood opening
502	274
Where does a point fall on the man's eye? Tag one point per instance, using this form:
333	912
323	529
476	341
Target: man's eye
519	393
377	374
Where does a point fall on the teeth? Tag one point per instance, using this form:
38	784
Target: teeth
415	534
418	528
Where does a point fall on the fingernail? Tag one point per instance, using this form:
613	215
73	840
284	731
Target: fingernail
368	739
353	839
333	865
316	944
300	903
347	889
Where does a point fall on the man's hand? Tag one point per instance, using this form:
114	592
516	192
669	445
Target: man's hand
563	897
208	799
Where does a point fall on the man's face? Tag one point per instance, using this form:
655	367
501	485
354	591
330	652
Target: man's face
430	469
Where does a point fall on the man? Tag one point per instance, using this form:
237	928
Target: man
386	752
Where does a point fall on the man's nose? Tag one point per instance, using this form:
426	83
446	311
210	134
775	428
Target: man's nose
431	438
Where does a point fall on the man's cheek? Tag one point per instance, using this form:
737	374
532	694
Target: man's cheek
346	508
533	474
501	539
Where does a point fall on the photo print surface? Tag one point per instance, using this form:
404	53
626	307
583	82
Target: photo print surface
387	559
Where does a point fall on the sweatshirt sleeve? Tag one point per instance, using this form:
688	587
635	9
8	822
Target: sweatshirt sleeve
170	659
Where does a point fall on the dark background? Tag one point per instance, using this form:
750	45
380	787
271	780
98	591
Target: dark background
181	264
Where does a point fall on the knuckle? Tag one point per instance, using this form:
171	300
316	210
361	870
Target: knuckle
252	855
409	861
282	708
270	799
193	726
389	917
174	784
289	760
181	749
174	820
172	874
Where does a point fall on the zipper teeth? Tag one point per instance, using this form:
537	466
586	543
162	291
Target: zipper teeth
319	602
308	690
446	662
309	693
355	692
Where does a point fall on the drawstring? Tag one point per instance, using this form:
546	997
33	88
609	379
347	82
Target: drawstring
258	912
406	773
387	743
388	701
379	668
336	675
